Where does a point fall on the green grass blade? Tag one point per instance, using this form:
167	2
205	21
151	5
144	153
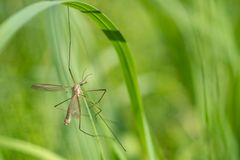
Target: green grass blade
9	27
28	148
14	23
128	67
94	128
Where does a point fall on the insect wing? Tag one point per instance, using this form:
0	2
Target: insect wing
74	107
49	87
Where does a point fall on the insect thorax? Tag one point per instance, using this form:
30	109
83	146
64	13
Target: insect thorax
76	90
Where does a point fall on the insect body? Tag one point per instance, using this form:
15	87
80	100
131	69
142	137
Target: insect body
74	109
76	90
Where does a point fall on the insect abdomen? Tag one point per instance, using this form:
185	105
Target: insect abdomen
67	119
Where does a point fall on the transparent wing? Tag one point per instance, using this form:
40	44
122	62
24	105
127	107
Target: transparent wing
74	107
49	87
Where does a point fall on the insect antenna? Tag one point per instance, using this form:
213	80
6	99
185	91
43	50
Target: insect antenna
83	73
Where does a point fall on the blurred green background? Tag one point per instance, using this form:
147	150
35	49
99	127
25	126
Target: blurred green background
186	55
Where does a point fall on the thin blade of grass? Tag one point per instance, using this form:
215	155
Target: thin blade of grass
9	27
94	128
28	148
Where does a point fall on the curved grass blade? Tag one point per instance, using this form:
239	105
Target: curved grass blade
10	26
28	148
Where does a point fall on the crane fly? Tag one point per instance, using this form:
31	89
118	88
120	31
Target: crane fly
74	109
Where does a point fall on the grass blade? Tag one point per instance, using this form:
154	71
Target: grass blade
28	148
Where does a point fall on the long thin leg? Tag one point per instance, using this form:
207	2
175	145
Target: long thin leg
69	46
89	134
90	101
62	102
110	129
93	105
98	112
98	90
107	120
114	135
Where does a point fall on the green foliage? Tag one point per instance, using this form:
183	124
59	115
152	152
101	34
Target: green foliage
13	24
27	148
184	58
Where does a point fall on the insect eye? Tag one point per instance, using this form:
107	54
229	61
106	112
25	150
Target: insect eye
82	83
